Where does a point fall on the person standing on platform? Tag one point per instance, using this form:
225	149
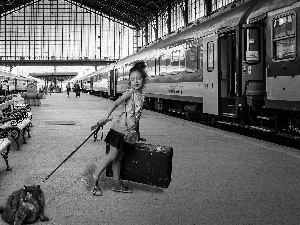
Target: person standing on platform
5	87
134	99
51	87
68	86
77	89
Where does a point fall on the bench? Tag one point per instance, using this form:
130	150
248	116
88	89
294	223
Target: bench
4	150
15	122
28	113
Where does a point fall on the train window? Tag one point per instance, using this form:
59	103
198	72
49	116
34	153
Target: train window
151	67
284	37
118	74
122	73
175	59
252	53
200	52
126	72
284	26
210	56
191	58
168	62
157	69
162	63
182	58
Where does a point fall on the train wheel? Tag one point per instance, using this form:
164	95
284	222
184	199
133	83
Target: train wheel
149	104
212	120
158	104
191	115
295	125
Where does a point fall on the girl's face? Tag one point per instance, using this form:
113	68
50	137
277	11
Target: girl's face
136	81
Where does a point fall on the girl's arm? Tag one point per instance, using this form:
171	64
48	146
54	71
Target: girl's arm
126	95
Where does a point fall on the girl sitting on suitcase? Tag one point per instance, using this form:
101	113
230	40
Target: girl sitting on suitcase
130	115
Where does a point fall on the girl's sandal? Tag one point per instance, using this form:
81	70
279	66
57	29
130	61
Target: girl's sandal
96	191
92	185
122	188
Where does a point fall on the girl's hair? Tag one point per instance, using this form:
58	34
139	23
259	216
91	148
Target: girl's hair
140	67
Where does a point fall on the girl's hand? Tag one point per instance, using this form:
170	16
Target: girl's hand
101	123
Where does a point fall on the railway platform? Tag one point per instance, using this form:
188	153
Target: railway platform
218	177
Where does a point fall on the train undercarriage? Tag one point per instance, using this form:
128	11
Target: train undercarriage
254	121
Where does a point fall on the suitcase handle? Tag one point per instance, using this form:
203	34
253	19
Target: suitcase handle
156	149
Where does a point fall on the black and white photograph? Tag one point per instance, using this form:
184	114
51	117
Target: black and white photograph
150	112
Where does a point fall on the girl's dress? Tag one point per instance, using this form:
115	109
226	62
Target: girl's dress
115	136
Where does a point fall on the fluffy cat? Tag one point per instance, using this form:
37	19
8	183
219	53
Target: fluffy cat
25	205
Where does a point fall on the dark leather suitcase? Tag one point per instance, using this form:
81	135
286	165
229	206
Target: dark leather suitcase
146	164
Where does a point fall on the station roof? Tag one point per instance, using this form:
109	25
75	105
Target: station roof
133	12
57	75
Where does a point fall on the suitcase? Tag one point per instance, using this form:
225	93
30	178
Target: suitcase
147	164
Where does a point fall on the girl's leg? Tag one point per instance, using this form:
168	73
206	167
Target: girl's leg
113	153
92	180
116	167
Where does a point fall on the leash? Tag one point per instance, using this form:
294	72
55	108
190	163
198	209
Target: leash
96	129
99	126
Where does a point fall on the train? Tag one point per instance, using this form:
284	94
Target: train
238	66
14	84
98	82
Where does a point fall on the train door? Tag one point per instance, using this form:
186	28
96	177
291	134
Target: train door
91	82
210	75
112	84
12	85
81	84
253	79
228	77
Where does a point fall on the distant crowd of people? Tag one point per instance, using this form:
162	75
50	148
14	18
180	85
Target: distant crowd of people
76	88
53	88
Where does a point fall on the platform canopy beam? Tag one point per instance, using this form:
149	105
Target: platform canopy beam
55	75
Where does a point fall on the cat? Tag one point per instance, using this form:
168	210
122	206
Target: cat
25	205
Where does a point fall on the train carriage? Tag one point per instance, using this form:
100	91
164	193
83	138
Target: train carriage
14	83
87	84
237	66
17	84
274	63
101	81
